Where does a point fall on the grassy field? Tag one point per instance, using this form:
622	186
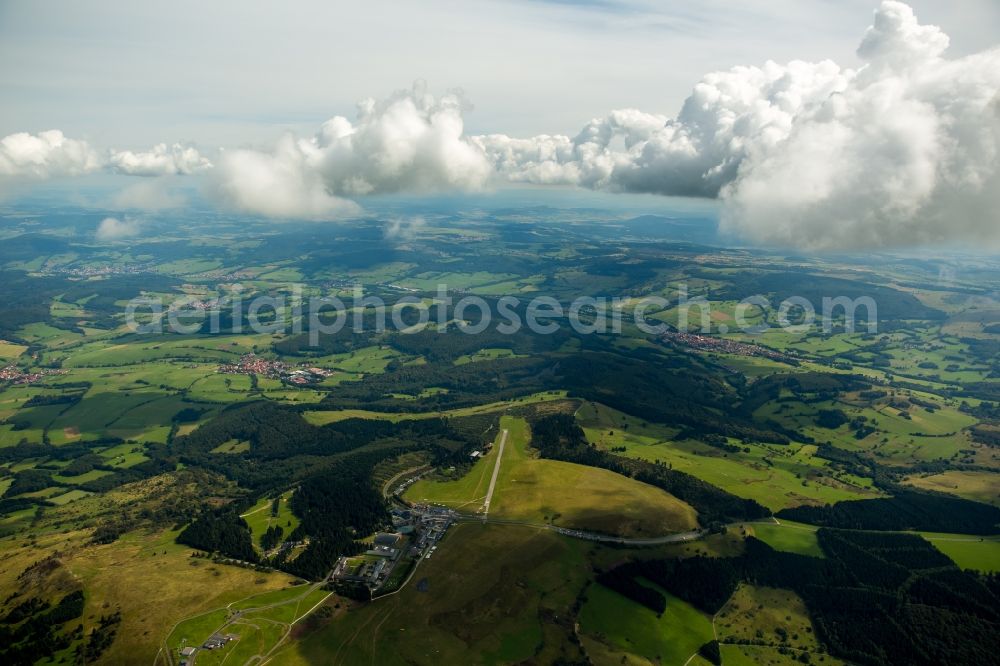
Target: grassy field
788	536
144	415
487	354
68	497
365	360
755	655
163	375
580	497
196	629
81	478
232	446
476	282
979	486
153	581
134	402
465	493
295	596
164	584
255	637
221	388
968	552
775	476
905	349
102	353
123	455
632	630
901	436
979	553
259	622
10	350
575	496
492	594
322	417
766	614
259	518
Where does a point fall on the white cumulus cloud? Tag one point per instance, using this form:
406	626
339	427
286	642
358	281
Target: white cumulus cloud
408	142
113	228
728	115
908	153
45	155
52	154
403	228
902	151
280	183
161	160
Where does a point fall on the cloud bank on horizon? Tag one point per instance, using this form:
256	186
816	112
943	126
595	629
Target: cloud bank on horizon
904	150
409	142
51	154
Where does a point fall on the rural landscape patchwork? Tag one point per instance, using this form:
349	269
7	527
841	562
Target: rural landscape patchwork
402	394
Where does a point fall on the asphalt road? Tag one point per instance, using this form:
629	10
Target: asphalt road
677	537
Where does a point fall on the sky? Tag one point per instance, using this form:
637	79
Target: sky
766	105
232	73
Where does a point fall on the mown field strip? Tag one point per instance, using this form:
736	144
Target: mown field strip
496	473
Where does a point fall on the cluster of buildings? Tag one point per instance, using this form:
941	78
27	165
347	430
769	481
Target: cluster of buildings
338	284
224	275
106	269
350	284
399	287
477	454
722	345
16	375
418	529
304	375
210	305
429	524
373	568
251	364
385	545
214	642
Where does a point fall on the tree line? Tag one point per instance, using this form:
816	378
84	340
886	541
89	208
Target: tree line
876	598
557	436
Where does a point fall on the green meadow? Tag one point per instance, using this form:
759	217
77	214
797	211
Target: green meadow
536	490
775	476
485	598
979	553
260	517
788	536
630	628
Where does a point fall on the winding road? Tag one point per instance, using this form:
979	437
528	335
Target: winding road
677	537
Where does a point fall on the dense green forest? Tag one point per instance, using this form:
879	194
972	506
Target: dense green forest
906	510
915	605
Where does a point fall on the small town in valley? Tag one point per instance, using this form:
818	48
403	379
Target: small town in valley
16	375
251	364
